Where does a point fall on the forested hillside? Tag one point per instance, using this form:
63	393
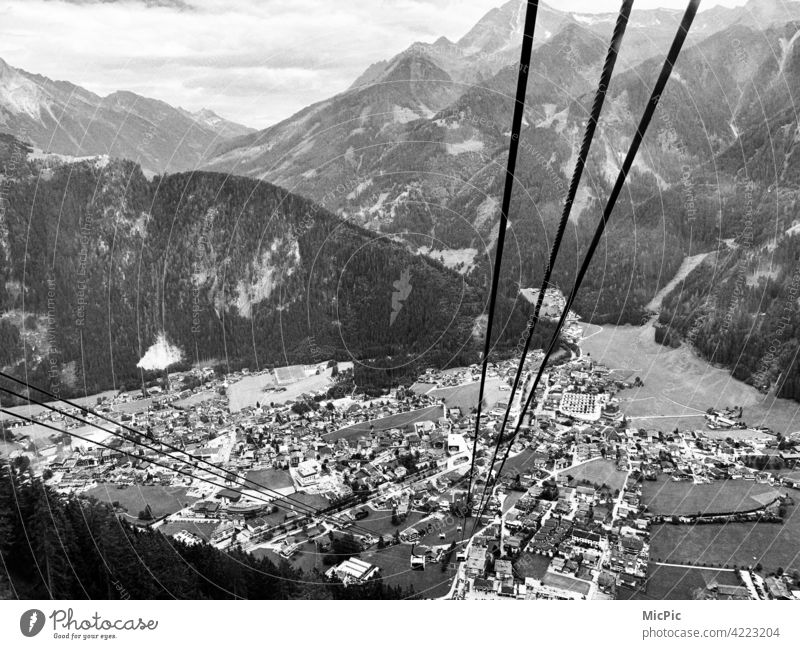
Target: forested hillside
740	307
97	262
740	312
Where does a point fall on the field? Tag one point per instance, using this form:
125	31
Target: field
668	497
162	500
443	523
199	529
465	396
41	435
92	433
271	478
392	560
566	582
379	522
307	559
736	435
511	499
519	463
134	406
38	434
400	420
599	472
422	388
300	498
771	544
529	564
196	398
396	571
30	410
675	582
249	390
289	374
679	386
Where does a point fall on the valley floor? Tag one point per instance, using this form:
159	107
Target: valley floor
678	385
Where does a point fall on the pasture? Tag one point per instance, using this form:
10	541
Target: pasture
599	472
400	420
669	497
678	385
773	545
162	500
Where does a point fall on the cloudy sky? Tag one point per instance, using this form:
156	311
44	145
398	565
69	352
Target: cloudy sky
254	61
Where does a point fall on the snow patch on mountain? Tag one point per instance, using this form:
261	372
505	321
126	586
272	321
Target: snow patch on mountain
459	259
403	115
160	355
467	146
786	49
282	253
553	118
359	189
379	204
487	211
589	20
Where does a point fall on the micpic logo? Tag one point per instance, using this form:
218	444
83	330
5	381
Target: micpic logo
402	289
31	622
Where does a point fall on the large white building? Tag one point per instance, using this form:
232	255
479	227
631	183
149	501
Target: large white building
458	451
353	571
582	405
307	473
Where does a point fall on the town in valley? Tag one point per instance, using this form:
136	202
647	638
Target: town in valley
350	487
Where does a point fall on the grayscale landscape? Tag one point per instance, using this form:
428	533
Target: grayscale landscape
290	328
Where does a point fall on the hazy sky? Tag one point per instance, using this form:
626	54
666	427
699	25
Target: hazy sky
255	61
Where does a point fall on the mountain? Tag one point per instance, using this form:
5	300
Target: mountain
222	127
740	307
407	151
414	151
415	148
314	150
719	159
98	264
435	181
494	41
63	118
320	142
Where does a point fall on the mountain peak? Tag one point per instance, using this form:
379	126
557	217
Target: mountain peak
413	65
19	95
209	119
443	41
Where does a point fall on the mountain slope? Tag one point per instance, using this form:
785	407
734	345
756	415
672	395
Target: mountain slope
740	308
436	182
97	263
60	117
322	140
